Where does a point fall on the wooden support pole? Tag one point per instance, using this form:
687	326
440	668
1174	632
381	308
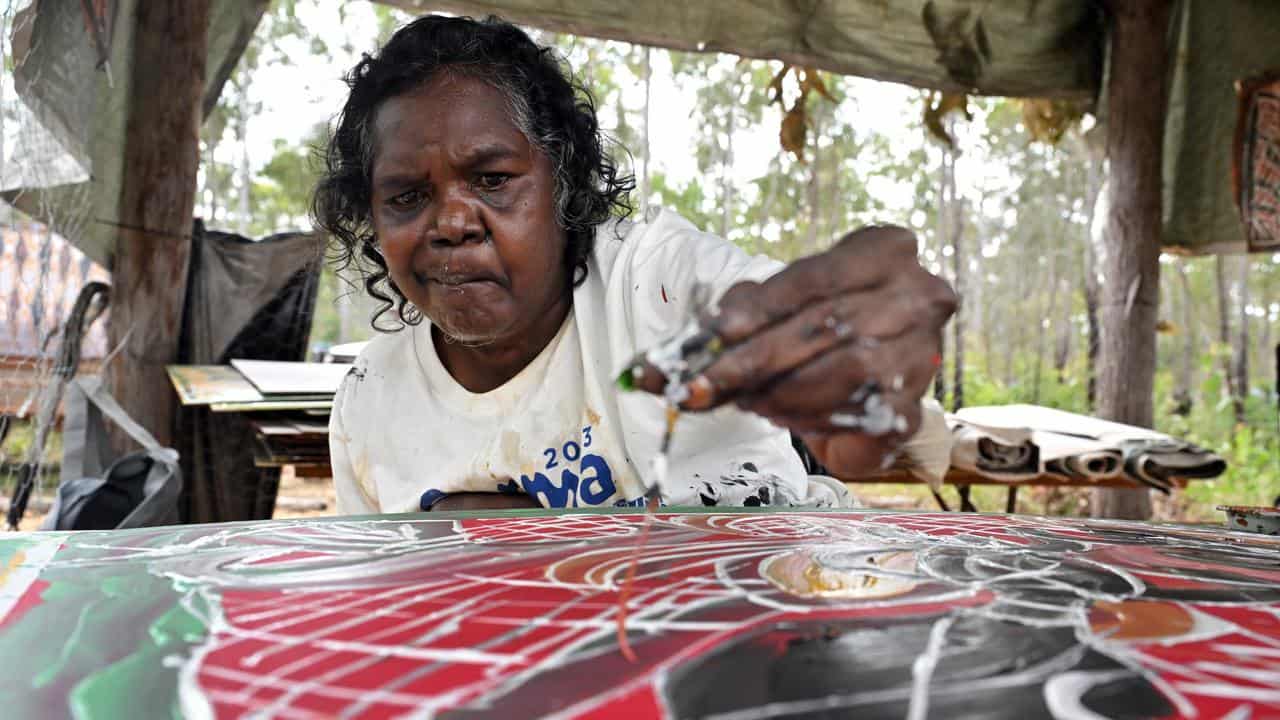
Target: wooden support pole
157	199
1136	105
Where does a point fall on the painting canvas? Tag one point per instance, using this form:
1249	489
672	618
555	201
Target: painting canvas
273	377
743	615
205	384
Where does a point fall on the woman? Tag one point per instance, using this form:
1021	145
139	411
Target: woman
467	175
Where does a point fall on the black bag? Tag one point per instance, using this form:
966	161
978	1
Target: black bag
138	490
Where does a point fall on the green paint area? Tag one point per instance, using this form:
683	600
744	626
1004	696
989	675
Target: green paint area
96	644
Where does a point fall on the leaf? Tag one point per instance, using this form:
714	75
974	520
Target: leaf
813	81
776	84
793	131
1047	120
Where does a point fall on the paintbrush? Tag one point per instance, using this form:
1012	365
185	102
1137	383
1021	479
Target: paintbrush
678	360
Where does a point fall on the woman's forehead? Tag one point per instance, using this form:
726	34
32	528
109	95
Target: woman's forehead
452	112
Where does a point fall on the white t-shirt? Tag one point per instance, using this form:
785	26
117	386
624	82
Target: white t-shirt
403	431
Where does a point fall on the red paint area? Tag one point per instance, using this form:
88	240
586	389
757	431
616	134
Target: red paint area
30	598
511	608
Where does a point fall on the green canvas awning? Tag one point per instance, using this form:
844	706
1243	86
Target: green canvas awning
1024	48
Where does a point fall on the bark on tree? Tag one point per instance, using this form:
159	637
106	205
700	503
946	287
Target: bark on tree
1186	365
977	305
813	188
726	166
1096	152
1224	336
944	219
246	174
157	196
1042	331
644	136
1264	339
1062	345
1136	102
958	283
1242	335
766	207
1094	331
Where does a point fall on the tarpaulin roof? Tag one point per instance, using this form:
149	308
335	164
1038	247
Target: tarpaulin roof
82	105
1026	48
1012	47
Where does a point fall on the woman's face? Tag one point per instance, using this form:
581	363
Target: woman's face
464	211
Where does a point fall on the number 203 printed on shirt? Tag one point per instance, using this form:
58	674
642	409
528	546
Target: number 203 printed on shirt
571	476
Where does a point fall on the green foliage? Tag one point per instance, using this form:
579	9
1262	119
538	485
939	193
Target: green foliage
15	450
282	189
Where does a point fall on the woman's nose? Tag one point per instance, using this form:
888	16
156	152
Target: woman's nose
457	222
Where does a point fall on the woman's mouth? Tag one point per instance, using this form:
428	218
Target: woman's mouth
459	280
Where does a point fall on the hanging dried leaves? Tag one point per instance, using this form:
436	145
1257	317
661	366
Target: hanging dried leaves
936	108
1048	120
795	122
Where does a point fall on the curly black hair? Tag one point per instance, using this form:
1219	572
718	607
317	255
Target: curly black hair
553	109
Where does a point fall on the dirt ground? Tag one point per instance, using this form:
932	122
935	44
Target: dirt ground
300	497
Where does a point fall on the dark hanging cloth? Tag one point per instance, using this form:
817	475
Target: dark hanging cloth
251	299
1256	168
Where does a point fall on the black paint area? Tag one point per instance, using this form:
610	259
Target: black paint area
986	669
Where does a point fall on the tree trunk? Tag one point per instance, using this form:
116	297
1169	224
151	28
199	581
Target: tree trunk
1136	102
4	32
1014	339
958	283
1264	340
1094	331
1242	345
246	176
1062	345
834	224
1186	365
944	222
766	207
1041	330
976	305
814	186
644	137
1224	336
1093	188
210	191
157	195
726	168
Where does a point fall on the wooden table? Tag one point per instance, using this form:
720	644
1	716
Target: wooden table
963	479
303	442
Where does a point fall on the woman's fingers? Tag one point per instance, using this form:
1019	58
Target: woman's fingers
850	320
862	261
849	376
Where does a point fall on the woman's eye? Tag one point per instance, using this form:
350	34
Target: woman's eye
492	181
406	200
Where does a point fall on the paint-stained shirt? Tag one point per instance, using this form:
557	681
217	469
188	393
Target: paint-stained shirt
404	433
